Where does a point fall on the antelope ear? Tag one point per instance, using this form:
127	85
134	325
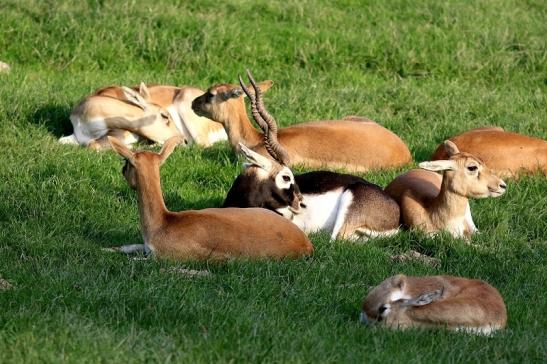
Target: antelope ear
424	299
451	148
399	281
121	149
134	98
440	165
143	90
255	159
169	147
263	86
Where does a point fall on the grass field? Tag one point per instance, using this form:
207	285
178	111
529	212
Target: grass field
425	70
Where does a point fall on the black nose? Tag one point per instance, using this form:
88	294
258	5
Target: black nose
382	309
303	205
503	186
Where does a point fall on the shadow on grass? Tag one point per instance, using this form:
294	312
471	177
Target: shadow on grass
54	118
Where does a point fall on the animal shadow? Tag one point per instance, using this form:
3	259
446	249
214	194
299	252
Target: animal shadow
55	118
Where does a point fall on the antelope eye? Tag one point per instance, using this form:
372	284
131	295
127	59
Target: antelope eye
164	115
472	168
286	178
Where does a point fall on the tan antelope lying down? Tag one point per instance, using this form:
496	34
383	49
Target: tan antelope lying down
342	205
433	203
203	234
128	118
178	102
508	154
355	144
455	303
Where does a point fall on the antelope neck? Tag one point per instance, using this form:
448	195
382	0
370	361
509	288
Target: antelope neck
448	203
152	208
240	129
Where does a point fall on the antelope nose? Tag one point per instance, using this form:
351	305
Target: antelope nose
503	186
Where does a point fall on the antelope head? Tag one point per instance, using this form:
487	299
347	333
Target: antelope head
389	298
466	174
269	184
224	102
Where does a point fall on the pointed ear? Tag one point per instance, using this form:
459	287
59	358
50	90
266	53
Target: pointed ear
451	148
255	159
169	147
440	165
425	299
399	281
134	98
143	90
121	149
265	85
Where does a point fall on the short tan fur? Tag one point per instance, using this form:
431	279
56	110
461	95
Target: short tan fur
355	144
455	303
215	234
508	154
433	203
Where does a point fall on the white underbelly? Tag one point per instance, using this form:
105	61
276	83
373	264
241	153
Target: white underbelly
320	212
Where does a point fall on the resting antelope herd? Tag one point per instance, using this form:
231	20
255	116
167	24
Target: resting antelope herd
269	210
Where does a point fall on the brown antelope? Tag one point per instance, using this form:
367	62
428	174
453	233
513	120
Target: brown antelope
356	144
462	304
128	118
203	234
178	102
433	203
343	205
506	153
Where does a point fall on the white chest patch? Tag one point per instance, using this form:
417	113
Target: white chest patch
217	136
320	212
456	226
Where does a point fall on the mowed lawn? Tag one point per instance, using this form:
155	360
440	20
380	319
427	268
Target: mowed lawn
425	70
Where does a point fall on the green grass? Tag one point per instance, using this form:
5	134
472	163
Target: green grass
425	70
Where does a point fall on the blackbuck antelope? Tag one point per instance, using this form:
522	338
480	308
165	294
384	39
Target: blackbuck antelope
354	143
432	203
178	102
128	118
215	234
402	302
506	153
343	205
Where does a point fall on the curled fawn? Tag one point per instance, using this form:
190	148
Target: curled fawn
402	302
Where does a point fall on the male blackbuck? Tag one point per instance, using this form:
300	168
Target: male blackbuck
203	234
354	143
128	118
455	303
178	102
432	203
343	205
506	153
